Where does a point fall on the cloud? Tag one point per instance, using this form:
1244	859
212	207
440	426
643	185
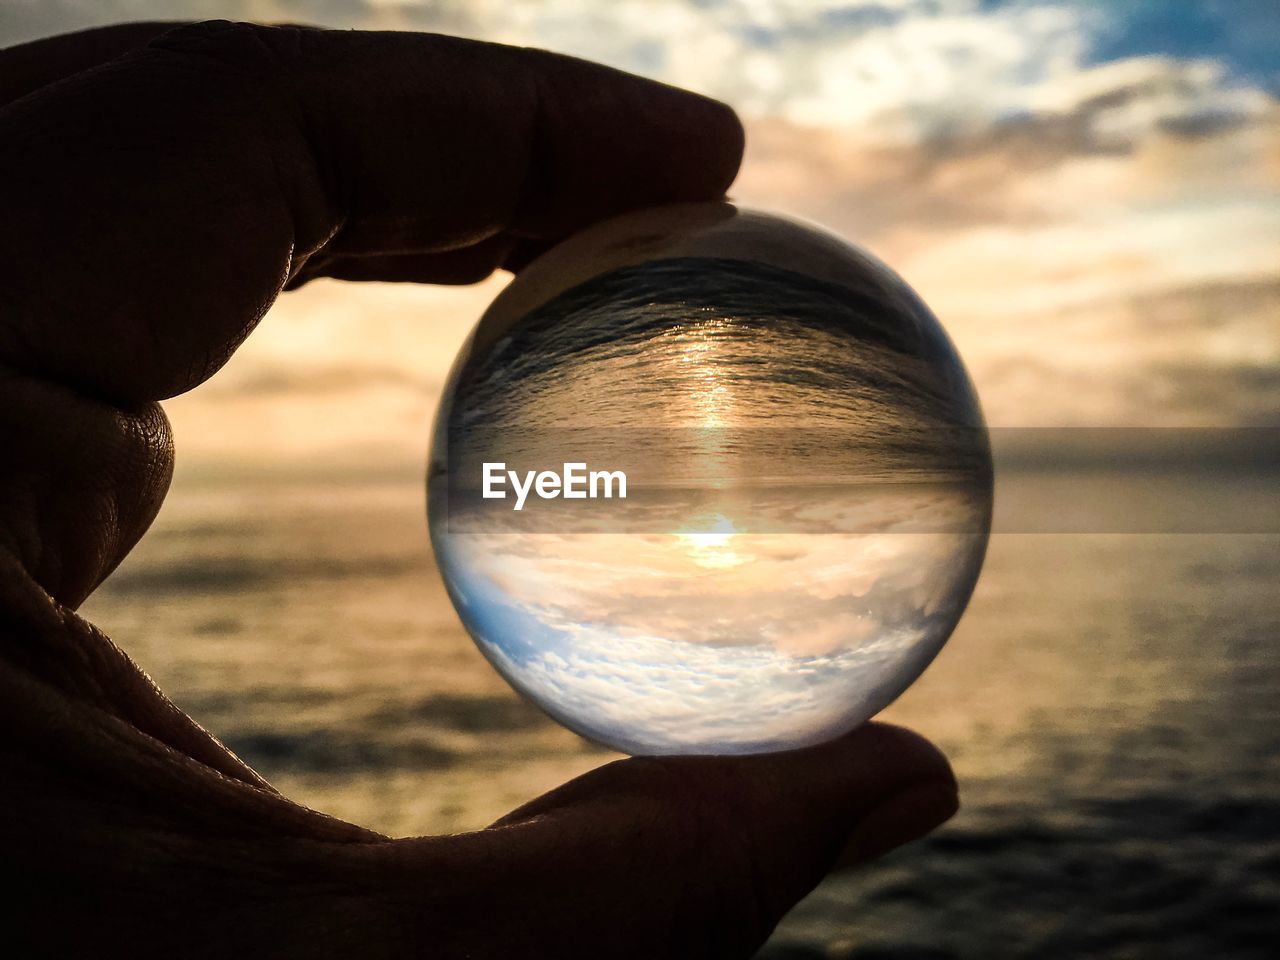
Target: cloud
274	380
899	70
1029	169
1052	247
1116	105
652	695
1044	173
1197	355
1246	391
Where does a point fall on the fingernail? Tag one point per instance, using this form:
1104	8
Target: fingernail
902	818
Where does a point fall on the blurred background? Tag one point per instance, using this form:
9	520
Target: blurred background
1088	194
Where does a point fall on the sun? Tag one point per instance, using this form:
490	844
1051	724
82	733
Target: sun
710	543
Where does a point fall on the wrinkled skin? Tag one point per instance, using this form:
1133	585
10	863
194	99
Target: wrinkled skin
161	185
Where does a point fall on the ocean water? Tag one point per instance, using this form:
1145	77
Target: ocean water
1111	704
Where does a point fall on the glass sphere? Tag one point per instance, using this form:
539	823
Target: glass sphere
709	480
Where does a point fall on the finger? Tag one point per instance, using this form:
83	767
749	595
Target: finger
695	856
157	204
164	198
30	66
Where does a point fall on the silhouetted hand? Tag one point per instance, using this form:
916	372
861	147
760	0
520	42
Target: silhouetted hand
158	189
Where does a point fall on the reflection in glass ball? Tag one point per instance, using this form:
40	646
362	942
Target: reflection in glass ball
808	483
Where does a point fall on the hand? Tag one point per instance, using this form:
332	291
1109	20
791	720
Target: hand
159	188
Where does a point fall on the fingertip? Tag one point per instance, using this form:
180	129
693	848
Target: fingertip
726	130
608	141
898	786
711	140
893	749
902	818
706	140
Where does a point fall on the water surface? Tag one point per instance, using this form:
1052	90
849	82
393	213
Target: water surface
1111	704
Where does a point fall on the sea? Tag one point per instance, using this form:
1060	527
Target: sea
1110	702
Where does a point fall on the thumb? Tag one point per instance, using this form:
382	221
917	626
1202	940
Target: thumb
701	856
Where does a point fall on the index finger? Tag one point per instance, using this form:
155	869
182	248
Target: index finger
29	66
157	204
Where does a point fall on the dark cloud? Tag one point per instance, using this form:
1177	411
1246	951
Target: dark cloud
989	174
1246	393
1152	389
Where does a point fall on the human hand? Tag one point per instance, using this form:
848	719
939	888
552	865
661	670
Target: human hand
159	188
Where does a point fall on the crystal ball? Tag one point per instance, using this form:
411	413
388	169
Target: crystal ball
709	480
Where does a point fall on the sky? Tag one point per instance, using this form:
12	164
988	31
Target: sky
1087	193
